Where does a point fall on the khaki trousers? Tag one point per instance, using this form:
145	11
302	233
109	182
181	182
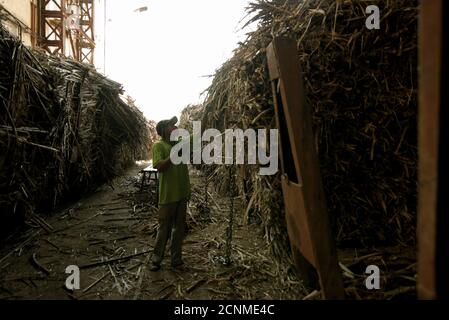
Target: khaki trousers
172	219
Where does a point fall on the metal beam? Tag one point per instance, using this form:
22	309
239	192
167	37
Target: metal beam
51	33
54	34
86	31
306	214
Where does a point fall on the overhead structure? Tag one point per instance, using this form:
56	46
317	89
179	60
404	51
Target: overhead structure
80	27
51	29
67	28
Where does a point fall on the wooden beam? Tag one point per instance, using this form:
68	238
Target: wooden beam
433	225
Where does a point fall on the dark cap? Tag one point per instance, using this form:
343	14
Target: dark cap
161	125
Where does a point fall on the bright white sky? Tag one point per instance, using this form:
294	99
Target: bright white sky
162	55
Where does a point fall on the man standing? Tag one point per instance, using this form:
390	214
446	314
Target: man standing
174	191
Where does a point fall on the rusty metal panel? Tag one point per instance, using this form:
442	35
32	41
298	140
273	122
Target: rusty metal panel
306	213
297	225
433	99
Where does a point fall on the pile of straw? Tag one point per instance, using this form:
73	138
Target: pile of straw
64	130
190	113
361	85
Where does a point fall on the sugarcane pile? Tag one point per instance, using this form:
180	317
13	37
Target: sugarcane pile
190	113
361	86
64	130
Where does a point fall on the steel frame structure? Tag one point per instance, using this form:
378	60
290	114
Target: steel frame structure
57	38
51	27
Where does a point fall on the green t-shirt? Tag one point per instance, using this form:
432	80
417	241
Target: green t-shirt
174	183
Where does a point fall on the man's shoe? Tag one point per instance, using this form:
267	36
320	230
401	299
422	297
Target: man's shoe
155	267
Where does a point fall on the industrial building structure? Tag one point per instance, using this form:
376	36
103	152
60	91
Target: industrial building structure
65	27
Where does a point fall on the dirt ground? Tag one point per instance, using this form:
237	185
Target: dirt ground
109	236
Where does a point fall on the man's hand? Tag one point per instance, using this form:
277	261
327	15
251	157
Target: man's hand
163	165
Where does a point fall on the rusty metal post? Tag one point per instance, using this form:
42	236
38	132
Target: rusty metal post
306	213
433	218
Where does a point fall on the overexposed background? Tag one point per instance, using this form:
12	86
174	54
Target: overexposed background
163	55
